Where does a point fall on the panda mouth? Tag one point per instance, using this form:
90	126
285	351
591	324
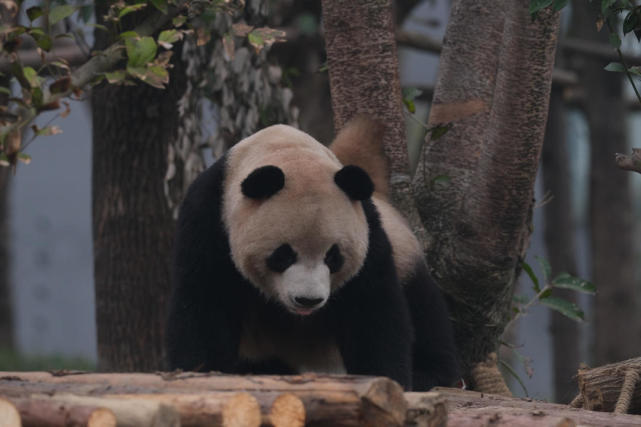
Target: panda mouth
304	311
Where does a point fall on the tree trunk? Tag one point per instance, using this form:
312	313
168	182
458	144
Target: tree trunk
617	324
6	306
559	241
364	78
132	224
474	186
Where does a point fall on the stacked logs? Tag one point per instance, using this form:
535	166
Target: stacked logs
41	399
197	399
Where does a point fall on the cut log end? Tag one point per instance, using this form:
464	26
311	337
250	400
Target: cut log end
9	415
101	417
383	404
287	411
241	410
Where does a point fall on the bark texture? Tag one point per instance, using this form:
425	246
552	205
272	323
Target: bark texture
468	408
6	309
474	186
600	388
617	324
364	78
132	224
326	400
559	241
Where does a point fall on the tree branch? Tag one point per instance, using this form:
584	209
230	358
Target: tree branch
630	162
98	64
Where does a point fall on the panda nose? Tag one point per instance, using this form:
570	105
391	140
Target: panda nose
308	302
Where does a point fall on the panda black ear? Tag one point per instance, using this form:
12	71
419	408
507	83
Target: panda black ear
263	182
355	182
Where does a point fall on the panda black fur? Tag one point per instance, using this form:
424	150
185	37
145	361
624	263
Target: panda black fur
280	205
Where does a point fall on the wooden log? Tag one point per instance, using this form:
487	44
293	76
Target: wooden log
427	409
600	387
345	400
470	408
227	409
46	412
287	411
129	413
9	415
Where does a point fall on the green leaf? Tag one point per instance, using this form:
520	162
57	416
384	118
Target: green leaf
567	281
566	308
409	95
37	97
438	131
533	278
140	51
537	5
34	13
32	76
59	13
130	9
43	41
615	66
630	22
179	21
545	268
117	76
128	34
545	293
161	5
615	41
168	37
5	90
559	4
154	75
255	40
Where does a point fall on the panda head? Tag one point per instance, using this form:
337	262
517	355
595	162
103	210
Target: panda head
296	226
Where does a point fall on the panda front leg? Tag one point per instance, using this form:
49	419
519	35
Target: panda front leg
374	330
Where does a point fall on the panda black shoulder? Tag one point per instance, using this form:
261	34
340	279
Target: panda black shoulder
371	213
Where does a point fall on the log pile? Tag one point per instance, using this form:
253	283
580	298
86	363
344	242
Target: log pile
196	399
209	399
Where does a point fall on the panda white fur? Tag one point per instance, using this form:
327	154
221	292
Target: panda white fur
286	261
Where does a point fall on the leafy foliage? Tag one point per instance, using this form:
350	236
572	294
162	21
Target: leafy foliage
145	49
611	12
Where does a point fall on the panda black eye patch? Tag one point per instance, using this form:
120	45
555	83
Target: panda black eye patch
282	258
334	259
263	182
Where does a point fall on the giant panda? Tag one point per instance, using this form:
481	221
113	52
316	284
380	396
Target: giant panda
288	260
